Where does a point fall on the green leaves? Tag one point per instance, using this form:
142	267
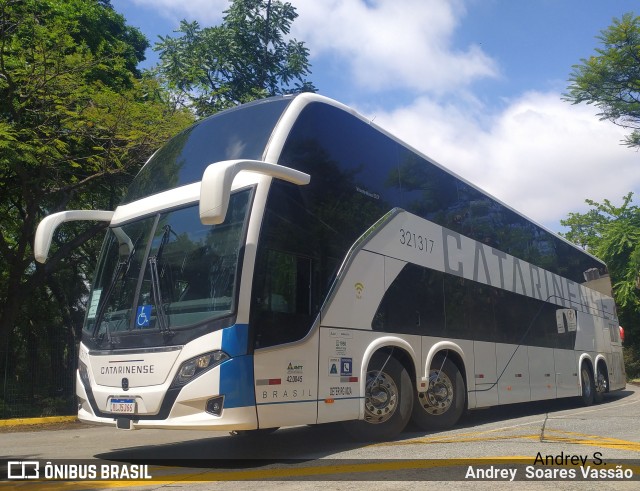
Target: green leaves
610	79
245	58
612	233
77	121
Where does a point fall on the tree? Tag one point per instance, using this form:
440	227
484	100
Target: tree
610	79
245	58
76	123
612	233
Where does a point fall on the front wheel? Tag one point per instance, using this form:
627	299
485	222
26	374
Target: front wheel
441	406
388	400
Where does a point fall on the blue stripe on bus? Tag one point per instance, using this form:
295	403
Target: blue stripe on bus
236	382
235	340
236	374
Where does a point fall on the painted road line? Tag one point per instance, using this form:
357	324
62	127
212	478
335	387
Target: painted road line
37	421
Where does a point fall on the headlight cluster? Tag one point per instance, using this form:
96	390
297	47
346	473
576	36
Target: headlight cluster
84	373
198	365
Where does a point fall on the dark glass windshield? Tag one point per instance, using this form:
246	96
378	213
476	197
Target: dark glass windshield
168	271
239	133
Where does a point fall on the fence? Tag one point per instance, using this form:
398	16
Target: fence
37	378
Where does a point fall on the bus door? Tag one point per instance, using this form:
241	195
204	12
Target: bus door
286	348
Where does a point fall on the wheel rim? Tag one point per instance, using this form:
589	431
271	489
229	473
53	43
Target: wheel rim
601	383
381	397
439	397
586	383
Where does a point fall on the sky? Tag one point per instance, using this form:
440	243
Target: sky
476	85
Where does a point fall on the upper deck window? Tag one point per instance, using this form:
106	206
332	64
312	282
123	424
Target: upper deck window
239	133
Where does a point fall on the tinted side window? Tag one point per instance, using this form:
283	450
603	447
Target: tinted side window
359	173
436	195
338	148
429	303
413	303
295	265
233	134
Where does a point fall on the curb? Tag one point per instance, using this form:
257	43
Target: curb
37	421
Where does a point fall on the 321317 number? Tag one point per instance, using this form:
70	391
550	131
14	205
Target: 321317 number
411	239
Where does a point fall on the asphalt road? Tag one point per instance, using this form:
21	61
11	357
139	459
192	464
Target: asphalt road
494	444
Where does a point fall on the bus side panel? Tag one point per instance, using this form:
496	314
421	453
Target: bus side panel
513	370
567	382
286	383
485	374
542	373
617	375
340	365
358	297
340	360
613	355
588	334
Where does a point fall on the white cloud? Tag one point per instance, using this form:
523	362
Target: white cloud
379	44
540	155
392	44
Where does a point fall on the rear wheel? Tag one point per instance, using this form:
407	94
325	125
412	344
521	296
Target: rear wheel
588	386
388	400
442	404
601	383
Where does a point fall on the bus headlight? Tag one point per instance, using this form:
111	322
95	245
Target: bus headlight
198	365
84	373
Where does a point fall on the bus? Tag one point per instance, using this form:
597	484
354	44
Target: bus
288	262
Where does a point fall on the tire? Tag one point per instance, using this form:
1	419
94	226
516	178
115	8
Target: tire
441	406
388	401
601	383
588	386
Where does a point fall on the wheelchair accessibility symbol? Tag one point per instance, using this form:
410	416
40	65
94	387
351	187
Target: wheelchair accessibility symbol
143	316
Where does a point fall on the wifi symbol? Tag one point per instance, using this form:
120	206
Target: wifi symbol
359	288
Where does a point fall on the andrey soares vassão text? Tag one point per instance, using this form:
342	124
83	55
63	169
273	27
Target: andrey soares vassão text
557	467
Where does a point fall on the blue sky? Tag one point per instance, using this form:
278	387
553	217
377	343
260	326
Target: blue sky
475	84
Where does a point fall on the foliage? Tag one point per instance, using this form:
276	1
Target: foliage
612	233
245	58
632	362
77	120
610	79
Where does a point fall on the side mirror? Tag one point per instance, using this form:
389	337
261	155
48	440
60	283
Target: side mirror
50	223
218	177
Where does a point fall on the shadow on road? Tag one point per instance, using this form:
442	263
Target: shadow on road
307	443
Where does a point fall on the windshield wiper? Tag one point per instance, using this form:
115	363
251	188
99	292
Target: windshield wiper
121	267
163	321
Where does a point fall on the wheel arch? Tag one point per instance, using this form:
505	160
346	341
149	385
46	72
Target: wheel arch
584	359
399	349
454	352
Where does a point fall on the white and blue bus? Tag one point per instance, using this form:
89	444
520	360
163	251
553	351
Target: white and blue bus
287	262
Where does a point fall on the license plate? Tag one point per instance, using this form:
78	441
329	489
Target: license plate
123	406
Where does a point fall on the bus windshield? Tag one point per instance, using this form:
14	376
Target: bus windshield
168	271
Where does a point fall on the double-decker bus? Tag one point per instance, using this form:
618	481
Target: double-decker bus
288	262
